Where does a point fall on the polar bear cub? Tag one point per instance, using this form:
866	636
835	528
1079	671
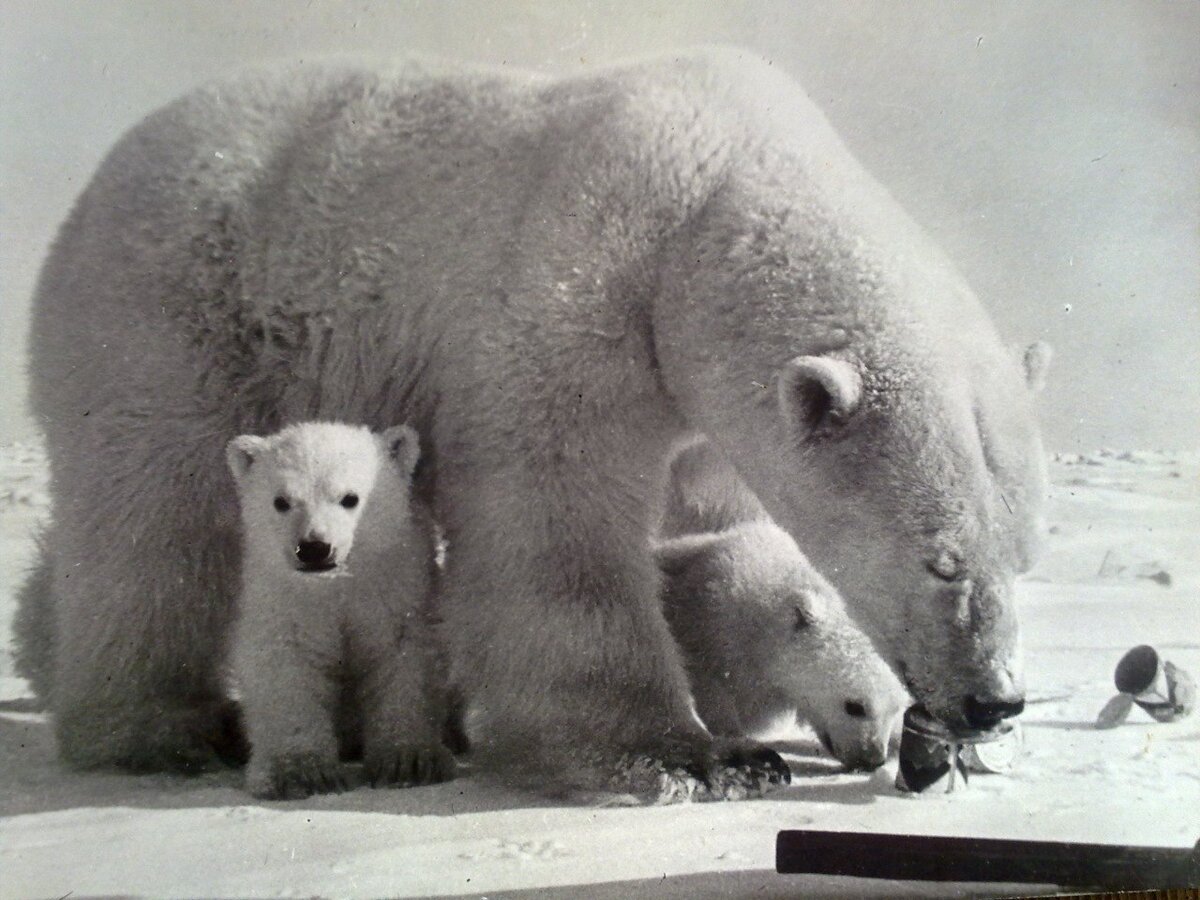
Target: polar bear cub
763	634
761	631
332	645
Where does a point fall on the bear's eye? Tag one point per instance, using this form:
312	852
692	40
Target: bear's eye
350	501
281	504
946	566
855	710
803	619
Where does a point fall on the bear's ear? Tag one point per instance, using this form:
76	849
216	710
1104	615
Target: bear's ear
818	390
401	444
677	555
242	451
1036	361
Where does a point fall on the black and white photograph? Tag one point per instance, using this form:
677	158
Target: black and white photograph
599	449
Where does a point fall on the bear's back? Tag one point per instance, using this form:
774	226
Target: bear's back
252	214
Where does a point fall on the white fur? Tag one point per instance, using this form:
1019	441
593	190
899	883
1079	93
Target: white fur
762	634
554	280
308	643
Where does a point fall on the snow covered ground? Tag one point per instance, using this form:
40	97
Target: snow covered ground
1122	568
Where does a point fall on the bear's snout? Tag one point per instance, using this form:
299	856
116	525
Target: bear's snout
315	556
987	712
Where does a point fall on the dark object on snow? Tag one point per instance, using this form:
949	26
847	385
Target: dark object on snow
1137	671
915	857
932	754
1158	686
928	755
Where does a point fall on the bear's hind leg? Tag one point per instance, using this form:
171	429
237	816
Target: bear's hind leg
34	629
143	575
109	711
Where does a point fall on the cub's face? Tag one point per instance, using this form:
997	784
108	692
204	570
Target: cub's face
784	630
305	490
823	662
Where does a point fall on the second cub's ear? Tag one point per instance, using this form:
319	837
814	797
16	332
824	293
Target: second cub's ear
818	390
402	445
242	451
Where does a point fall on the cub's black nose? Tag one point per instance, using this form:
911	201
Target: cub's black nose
314	554
988	712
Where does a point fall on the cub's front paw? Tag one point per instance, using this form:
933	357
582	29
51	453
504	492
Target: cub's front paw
408	765
294	776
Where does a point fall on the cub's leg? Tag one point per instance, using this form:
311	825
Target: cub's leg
400	717
289	691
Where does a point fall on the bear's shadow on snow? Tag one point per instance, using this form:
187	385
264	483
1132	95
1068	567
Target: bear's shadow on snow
1062	725
811	776
33	781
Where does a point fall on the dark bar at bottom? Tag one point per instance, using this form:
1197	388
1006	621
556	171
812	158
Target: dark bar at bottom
917	858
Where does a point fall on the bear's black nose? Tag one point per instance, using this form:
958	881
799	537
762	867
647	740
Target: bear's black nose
314	554
988	712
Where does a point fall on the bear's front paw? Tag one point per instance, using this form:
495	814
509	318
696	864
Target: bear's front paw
744	768
721	770
407	765
726	769
295	776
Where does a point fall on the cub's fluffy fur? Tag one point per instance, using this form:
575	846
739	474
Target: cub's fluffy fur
332	638
761	631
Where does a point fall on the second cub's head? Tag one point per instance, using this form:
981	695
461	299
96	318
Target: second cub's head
785	631
305	490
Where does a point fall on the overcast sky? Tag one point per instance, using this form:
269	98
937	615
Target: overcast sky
1052	148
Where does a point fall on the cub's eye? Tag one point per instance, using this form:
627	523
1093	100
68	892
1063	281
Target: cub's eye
281	504
855	710
350	501
803	619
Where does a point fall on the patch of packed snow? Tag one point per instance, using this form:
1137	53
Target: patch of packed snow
1118	519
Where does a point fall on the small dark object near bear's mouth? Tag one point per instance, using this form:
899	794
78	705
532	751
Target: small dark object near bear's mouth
317	567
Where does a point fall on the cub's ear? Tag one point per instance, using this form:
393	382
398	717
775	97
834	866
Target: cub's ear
676	555
401	444
818	390
242	451
1036	361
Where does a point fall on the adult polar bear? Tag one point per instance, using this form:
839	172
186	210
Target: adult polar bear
554	280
